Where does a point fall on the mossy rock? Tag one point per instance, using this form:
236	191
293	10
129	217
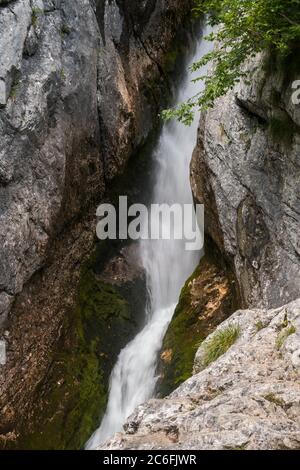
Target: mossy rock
206	300
72	399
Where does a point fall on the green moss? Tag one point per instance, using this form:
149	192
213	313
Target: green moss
94	293
70	412
205	301
219	343
259	325
65	30
283	335
172	58
62	74
72	400
36	12
180	340
272	398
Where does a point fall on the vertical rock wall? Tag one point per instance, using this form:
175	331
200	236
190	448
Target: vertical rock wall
246	170
81	84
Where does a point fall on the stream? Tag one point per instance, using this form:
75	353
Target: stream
167	265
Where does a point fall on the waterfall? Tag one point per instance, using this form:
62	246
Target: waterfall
167	265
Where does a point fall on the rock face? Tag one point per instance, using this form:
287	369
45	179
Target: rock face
135	40
71	399
49	127
71	114
249	398
246	170
77	97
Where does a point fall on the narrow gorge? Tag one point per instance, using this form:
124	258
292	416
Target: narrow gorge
123	344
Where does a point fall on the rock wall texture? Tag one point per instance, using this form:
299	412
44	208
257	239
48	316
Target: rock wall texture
49	128
71	399
77	97
80	84
135	41
246	170
249	398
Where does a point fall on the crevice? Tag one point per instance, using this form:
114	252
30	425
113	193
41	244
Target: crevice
250	112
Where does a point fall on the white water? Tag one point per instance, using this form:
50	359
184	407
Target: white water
167	266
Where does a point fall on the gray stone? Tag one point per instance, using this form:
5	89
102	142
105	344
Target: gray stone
49	130
5	304
248	178
14	24
3	94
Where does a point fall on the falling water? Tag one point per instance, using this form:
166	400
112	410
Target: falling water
167	265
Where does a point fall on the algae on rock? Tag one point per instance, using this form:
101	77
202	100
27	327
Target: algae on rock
72	400
206	300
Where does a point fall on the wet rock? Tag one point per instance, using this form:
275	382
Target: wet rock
135	39
245	390
49	129
72	397
206	300
77	98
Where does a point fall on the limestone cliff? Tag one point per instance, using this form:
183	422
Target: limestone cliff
77	97
81	84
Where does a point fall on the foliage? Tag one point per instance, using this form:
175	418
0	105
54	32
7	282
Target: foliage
219	343
242	28
284	334
272	398
259	325
36	12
